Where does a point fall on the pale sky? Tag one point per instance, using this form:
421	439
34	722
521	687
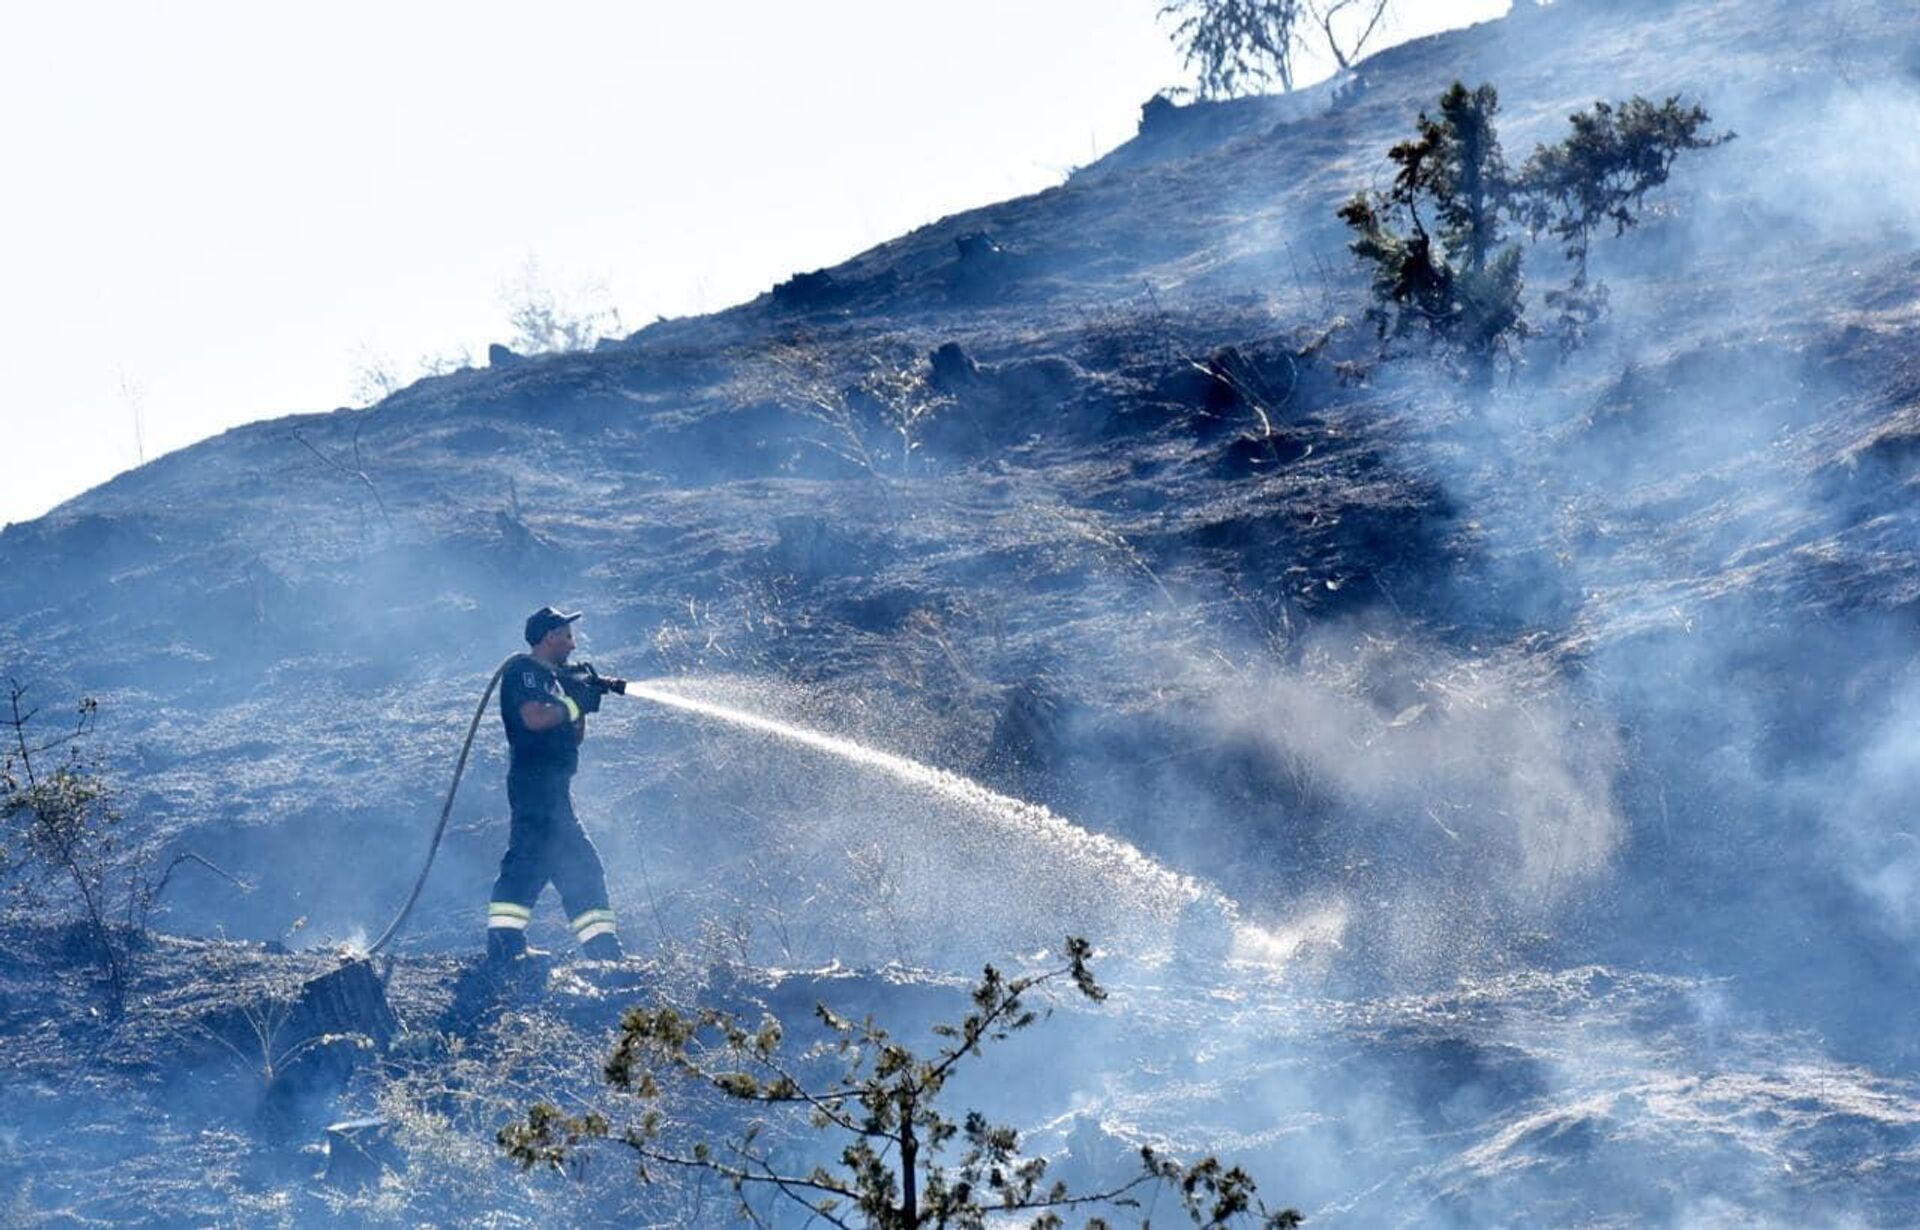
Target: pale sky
218	212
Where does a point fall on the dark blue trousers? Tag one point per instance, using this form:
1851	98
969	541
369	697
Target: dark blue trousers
545	843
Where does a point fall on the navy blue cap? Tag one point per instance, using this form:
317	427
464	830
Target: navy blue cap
545	620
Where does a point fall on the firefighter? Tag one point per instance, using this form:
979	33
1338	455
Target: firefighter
544	705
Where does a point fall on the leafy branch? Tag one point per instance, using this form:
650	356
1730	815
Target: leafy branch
1436	236
883	1100
59	826
1601	173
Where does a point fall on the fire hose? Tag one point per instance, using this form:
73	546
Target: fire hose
446	808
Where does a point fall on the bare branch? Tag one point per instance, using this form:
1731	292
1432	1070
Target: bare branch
189	856
791	1184
1324	14
1068	1202
360	475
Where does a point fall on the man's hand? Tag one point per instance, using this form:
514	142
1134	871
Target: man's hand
580	689
601	684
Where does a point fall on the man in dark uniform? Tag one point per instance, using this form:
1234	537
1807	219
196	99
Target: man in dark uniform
544	706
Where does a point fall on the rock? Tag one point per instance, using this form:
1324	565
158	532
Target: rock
954	370
500	356
350	1000
821	289
981	267
1155	114
977	248
815	289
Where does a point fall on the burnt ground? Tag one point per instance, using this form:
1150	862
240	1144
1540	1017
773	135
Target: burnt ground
1121	510
210	1099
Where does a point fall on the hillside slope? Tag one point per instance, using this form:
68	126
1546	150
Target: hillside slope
1103	498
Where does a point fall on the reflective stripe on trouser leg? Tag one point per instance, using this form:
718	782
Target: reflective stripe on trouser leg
508	916
591	923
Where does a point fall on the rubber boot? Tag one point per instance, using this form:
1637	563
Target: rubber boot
604	948
506	944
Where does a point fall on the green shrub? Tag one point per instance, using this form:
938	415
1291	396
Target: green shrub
1436	238
63	852
60	844
895	1170
1601	174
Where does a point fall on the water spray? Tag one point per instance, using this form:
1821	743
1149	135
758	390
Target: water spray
1202	917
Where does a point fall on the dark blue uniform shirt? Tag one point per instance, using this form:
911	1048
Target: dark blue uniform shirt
554	750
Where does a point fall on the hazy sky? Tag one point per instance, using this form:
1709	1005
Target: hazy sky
221	212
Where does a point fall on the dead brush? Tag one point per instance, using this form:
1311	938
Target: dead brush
443	1095
258	1027
257	1037
869	410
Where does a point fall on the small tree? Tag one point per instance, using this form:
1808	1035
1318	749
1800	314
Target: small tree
377	377
1242	46
900	394
1347	26
58	827
1435	237
544	324
884	1102
1601	174
881	402
1458	280
61	843
1235	46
